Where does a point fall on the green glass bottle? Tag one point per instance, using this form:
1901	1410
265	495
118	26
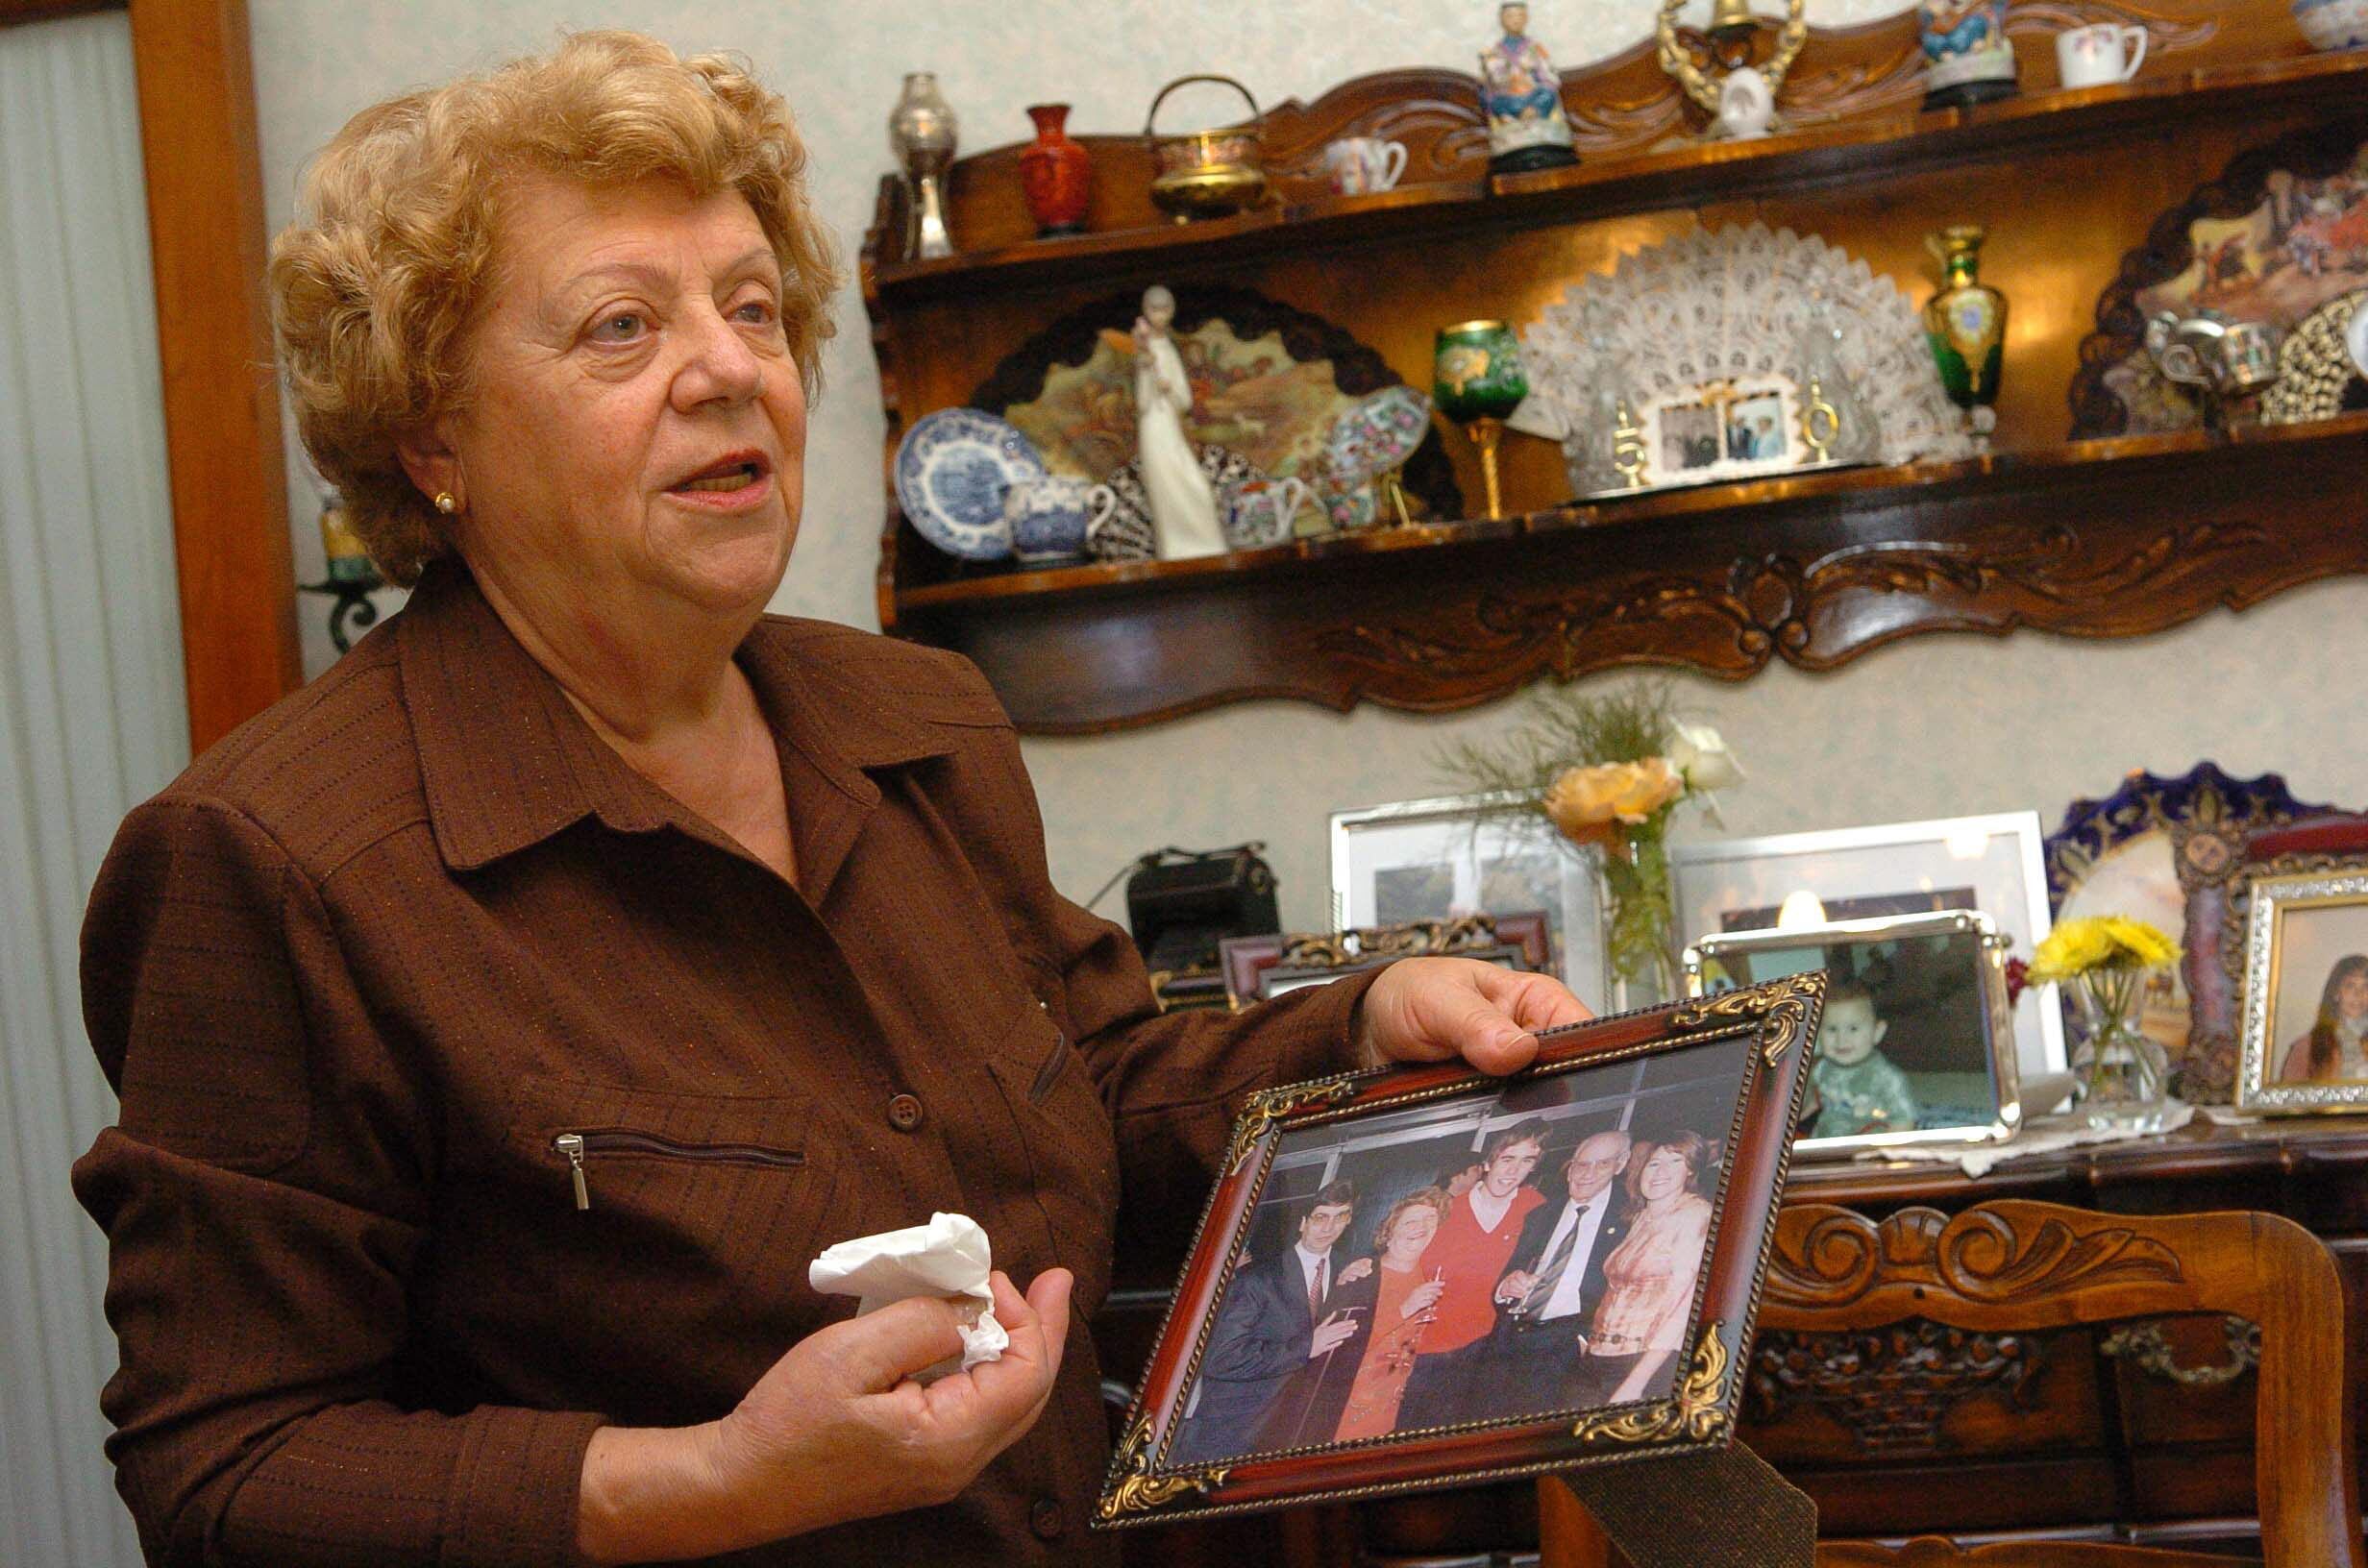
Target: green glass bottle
1967	325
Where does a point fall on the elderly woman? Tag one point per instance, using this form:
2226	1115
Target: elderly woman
504	1022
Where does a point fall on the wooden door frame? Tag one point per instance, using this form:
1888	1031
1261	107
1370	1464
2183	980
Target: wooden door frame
194	68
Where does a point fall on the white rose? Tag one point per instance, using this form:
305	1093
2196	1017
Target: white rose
1698	754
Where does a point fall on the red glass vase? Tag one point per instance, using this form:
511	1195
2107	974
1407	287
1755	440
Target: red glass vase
1056	173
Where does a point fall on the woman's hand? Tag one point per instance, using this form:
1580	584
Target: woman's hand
1437	1009
835	1431
1354	1272
1423	1297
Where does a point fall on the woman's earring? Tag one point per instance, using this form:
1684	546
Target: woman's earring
445	503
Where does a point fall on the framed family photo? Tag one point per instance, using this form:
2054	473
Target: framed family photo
1421	1277
1259	967
2306	992
1726	429
1990	864
1917	1042
1440	859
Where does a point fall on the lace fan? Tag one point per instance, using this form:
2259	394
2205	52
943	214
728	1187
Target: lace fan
1722	303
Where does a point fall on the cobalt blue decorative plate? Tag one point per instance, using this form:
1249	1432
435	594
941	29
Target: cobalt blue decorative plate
952	471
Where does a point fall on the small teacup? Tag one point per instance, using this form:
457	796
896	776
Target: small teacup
1260	512
2099	54
1052	517
1360	166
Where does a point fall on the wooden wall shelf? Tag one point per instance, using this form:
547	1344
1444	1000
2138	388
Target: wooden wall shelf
1812	569
2094	539
1697	174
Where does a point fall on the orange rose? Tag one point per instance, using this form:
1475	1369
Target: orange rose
1585	802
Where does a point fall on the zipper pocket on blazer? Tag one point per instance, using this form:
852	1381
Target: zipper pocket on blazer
576	1147
1050	1072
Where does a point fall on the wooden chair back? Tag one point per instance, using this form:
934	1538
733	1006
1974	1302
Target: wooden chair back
2016	1265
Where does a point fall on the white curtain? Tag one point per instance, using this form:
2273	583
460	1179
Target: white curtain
92	720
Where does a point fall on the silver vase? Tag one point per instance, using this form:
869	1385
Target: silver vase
921	133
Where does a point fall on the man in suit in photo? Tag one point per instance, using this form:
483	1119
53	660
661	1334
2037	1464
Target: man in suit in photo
1272	1323
1555	1279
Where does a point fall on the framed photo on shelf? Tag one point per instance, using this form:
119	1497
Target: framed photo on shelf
1990	864
2305	992
1365	1313
1917	1040
1440	859
1727	429
1257	967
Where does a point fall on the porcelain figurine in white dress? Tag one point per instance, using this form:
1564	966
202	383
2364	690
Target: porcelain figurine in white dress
1183	505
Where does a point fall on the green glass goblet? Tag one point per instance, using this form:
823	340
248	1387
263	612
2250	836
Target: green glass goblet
1477	381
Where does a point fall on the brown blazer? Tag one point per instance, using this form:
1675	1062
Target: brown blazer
358	968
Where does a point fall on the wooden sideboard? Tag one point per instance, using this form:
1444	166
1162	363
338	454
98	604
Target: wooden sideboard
2143	1432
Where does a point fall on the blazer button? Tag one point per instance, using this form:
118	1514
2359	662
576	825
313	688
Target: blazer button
1044	1517
905	1113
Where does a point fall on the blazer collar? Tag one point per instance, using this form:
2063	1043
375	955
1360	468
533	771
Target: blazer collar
506	761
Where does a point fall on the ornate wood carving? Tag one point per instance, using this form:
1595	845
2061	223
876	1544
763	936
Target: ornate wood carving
2316	153
1809	571
1889	1388
1978	1257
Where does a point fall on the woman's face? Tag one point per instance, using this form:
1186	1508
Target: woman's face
1412	1232
634	442
2351	997
1663	1176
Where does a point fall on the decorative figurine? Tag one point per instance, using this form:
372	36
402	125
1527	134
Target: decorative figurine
1967	325
1478	382
921	133
1742	103
1056	173
1966	52
1183	505
1521	98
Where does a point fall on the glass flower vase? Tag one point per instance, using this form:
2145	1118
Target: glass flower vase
2124	1072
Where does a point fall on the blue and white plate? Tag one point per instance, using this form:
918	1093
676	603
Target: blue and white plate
951	473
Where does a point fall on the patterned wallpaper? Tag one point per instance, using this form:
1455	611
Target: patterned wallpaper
1935	727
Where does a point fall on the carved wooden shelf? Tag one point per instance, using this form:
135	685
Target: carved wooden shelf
1894	145
2104	538
2096	539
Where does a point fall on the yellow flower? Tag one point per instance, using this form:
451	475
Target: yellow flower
2100	942
1585	802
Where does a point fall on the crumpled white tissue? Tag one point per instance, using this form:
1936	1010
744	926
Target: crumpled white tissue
948	1256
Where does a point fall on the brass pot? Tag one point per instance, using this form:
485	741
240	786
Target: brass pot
1205	174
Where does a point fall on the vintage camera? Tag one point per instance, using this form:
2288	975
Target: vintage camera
1180	903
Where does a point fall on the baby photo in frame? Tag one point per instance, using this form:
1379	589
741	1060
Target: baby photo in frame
1416	1276
2306	992
1917	1042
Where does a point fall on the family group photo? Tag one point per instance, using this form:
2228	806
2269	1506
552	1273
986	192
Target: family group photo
1498	1255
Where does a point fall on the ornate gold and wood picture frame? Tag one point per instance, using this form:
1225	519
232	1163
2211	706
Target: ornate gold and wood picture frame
1918	1043
1423	1277
2305	988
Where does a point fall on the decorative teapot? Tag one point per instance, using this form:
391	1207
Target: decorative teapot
2221	358
1260	511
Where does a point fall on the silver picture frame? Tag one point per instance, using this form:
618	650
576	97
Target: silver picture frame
1991	863
1942	940
2278	960
1445	859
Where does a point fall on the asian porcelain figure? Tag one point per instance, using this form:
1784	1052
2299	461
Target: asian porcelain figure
1183	507
1965	50
1521	97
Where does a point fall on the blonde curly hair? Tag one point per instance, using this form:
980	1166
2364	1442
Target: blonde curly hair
376	284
